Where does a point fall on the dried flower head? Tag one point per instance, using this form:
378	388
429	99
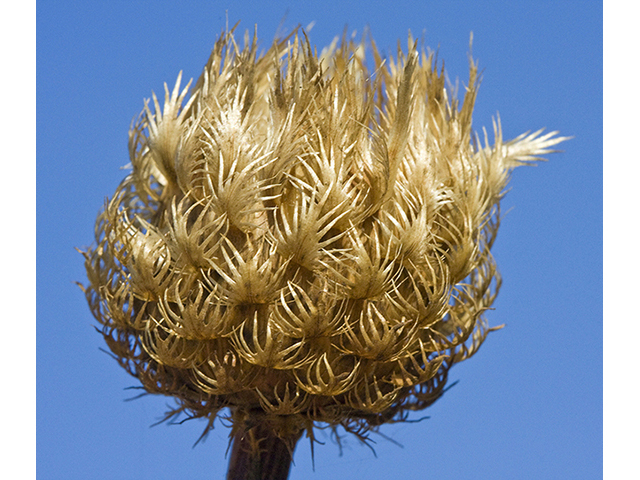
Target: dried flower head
302	237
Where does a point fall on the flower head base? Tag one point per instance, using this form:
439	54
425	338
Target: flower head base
304	237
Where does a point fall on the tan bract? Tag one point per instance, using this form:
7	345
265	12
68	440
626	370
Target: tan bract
303	236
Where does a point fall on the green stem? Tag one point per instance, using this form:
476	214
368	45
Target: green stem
257	453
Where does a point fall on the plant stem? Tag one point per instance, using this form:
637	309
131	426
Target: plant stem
257	453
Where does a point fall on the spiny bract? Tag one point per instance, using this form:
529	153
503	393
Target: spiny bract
302	237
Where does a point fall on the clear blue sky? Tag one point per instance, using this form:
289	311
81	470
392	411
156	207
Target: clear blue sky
527	406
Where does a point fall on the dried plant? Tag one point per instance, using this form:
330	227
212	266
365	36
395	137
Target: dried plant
303	239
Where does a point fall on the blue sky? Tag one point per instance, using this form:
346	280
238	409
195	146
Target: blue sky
527	406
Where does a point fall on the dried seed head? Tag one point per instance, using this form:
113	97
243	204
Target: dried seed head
304	236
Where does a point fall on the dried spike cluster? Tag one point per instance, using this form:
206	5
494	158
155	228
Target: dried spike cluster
303	236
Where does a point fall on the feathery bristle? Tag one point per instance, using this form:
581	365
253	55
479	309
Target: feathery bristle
304	236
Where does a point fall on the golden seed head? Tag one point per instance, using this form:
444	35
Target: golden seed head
303	236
